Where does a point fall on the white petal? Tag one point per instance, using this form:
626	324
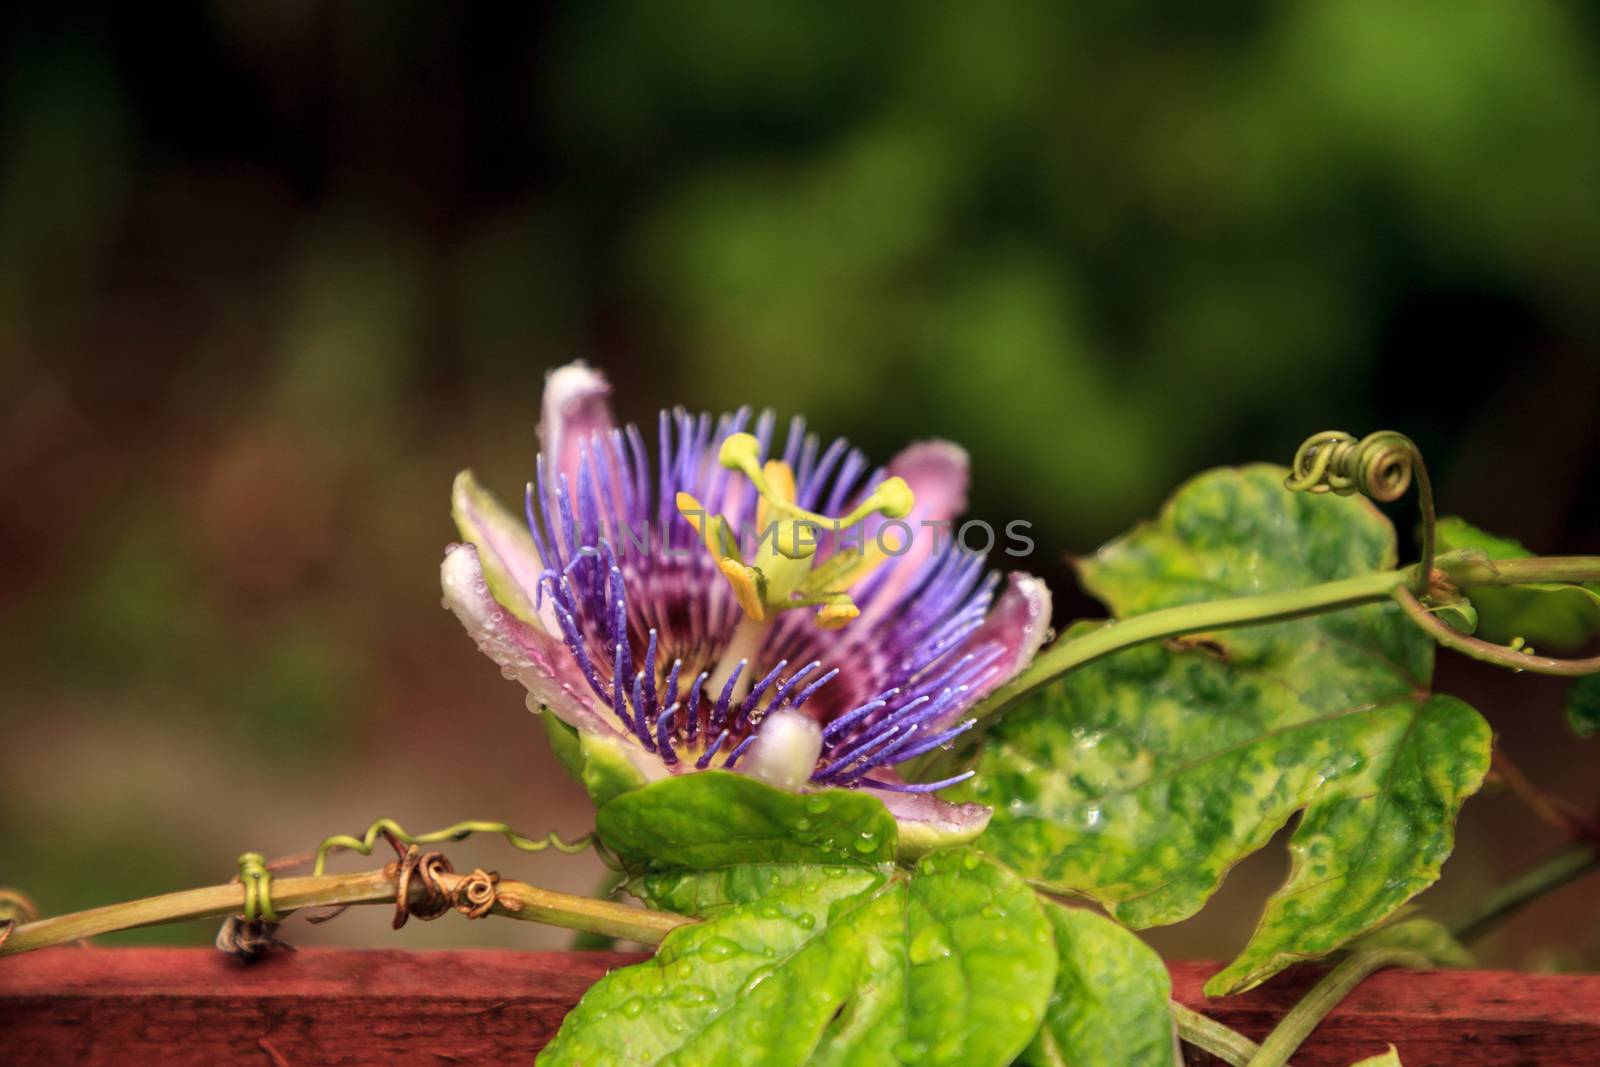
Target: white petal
576	406
540	662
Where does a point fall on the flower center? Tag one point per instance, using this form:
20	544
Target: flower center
782	571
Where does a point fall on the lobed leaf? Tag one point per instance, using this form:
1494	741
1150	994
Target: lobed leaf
1109	1008
1141	779
951	964
700	842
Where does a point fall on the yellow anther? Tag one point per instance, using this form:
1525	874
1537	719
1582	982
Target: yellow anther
780	488
747	583
713	529
833	616
779	574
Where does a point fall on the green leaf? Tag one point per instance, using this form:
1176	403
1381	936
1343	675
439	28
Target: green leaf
951	964
1547	615
700	842
1382	1059
1109	1008
1141	779
717	818
1583	705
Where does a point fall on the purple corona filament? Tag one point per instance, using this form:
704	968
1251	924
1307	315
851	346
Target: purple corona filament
609	602
660	637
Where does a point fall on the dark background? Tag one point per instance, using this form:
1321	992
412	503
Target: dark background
271	273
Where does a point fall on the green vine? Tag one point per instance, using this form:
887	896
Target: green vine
381	828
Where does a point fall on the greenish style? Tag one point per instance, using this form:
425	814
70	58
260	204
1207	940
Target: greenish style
697	843
1109	1007
1140	779
1546	615
1583	706
950	963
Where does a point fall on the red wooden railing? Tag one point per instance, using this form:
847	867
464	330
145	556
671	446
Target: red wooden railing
333	1006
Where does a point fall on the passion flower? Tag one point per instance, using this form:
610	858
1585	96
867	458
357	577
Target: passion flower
789	614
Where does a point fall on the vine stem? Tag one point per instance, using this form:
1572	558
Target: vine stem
1167	623
1566	866
1487	651
1533	569
1114	636
1324	997
1208	1035
531	903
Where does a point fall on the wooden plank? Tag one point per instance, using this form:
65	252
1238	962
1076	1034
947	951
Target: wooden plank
1459	1018
339	1006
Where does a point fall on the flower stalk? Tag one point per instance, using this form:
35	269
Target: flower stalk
1210	1036
1304	1017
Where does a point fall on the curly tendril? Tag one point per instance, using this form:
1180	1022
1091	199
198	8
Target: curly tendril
461	830
1379	466
257	882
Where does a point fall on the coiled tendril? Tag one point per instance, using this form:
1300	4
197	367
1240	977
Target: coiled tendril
1379	466
460	830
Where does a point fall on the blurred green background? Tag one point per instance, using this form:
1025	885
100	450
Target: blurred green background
271	273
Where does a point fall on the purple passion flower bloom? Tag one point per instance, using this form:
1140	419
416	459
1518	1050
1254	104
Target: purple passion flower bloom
769	606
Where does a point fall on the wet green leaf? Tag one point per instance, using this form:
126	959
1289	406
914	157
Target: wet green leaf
1547	615
1109	1008
949	964
1141	779
699	842
1583	705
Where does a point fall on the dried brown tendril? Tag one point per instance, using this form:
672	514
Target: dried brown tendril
426	867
